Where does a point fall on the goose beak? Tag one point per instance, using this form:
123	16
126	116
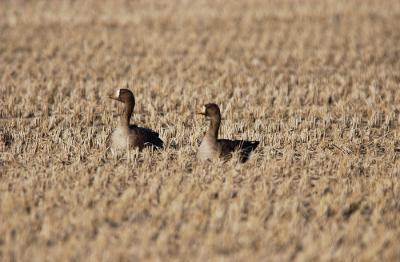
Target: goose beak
203	112
112	97
115	96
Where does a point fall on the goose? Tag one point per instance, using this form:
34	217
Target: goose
127	136
213	148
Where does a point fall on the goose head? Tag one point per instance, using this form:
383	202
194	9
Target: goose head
123	95
210	110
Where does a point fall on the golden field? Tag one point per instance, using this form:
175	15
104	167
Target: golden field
316	82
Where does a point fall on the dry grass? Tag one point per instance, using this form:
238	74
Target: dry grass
317	82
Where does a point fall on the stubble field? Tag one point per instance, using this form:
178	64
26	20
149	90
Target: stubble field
317	82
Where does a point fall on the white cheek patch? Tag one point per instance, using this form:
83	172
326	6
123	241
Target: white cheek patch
204	109
117	93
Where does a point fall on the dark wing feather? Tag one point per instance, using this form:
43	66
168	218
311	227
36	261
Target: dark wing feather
227	147
149	137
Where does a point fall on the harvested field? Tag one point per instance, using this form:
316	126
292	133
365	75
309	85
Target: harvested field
317	82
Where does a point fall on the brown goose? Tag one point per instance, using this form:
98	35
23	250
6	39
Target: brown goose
211	147
131	136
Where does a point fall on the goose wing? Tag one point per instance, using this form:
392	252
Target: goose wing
227	147
148	137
